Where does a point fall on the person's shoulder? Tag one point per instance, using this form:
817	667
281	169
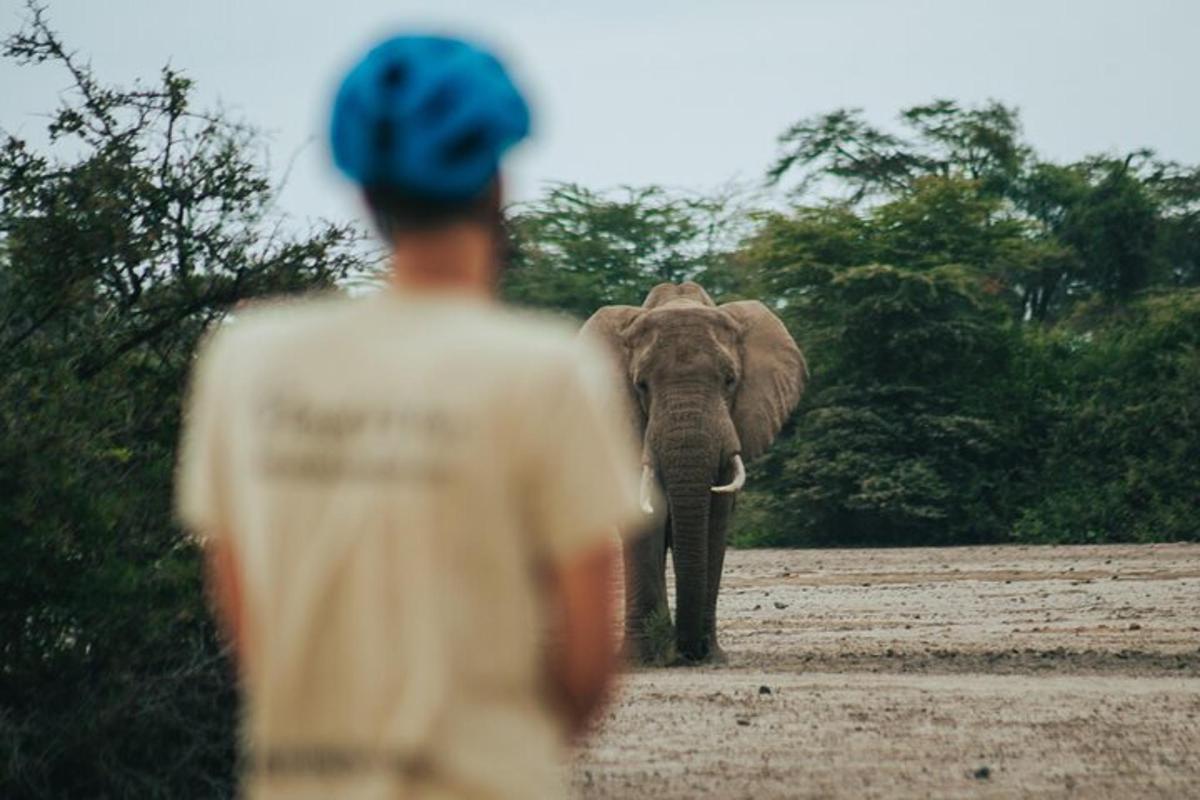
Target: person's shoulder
290	315
551	351
533	335
256	326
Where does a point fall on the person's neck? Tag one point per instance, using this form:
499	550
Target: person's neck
458	260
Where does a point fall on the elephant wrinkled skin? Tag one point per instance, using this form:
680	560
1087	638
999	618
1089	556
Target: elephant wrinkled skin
708	387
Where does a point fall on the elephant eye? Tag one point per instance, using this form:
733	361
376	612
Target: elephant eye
730	381
642	387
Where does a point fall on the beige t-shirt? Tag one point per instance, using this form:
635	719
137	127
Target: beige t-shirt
392	471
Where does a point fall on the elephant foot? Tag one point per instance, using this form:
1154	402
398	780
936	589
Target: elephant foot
704	653
687	661
641	653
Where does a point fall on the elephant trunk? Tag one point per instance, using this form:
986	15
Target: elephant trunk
690	446
690	504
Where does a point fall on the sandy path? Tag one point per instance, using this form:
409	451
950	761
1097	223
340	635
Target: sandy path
971	672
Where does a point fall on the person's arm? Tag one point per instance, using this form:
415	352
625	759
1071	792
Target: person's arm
581	474
582	654
202	490
223	586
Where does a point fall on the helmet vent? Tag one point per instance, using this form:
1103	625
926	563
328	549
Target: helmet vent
465	145
394	76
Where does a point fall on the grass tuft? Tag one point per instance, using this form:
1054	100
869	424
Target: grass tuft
660	638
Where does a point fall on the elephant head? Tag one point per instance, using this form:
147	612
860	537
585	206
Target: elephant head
709	388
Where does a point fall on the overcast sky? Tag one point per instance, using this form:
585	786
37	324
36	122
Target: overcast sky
687	94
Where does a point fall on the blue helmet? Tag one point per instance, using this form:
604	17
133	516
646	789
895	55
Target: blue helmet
427	115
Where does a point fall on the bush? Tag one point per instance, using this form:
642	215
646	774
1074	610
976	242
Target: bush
897	442
112	264
1121	456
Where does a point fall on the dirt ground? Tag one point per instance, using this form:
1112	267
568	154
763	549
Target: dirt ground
982	672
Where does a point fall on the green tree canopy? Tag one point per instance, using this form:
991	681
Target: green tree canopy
1107	225
575	250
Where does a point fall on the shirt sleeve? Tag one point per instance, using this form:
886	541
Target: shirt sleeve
202	473
585	466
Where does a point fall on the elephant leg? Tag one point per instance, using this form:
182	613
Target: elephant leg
718	527
645	592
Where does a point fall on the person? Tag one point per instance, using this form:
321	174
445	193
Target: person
408	501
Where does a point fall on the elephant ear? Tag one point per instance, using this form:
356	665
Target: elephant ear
606	327
773	375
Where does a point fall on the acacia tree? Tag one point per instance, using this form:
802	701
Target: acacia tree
113	262
1106	226
1175	189
576	249
981	144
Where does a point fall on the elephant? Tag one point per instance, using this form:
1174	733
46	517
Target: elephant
708	387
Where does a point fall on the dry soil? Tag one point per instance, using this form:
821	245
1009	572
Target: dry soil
981	672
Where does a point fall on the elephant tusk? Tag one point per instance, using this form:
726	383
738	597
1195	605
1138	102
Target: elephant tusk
739	478
647	488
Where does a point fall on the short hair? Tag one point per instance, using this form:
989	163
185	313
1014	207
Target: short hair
396	210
